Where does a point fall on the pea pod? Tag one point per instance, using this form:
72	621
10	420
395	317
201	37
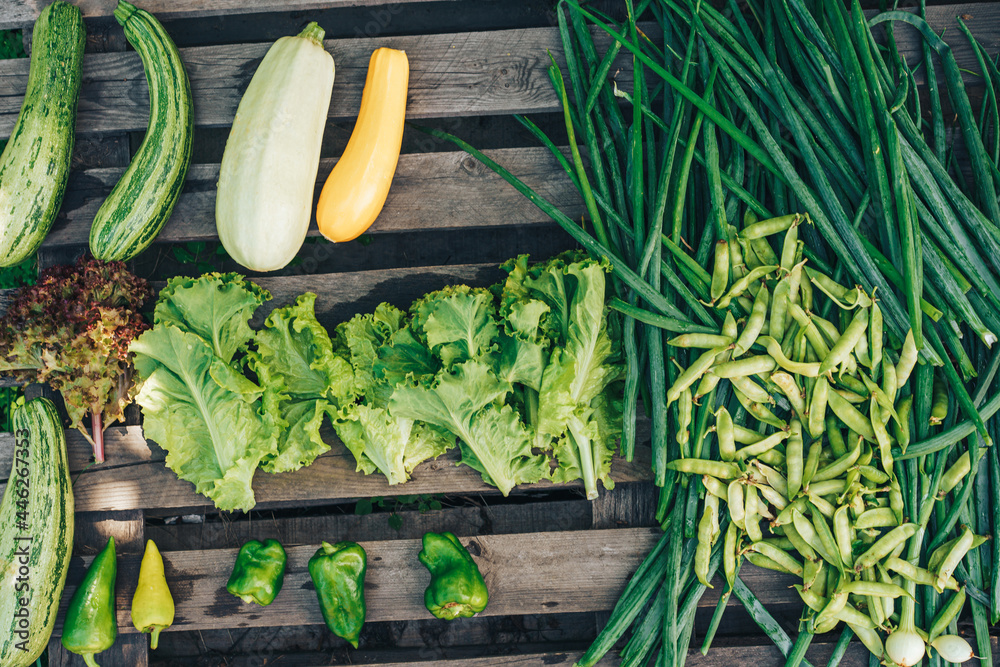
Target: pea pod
795	464
719	469
769	227
839	466
843	533
799	368
752	390
720	272
708	532
879	517
752	514
850	416
756	449
846	343
954	556
755	322
700	340
918	575
739	287
692	373
745	367
730	557
907	359
947	614
874	589
778	556
885	545
847	614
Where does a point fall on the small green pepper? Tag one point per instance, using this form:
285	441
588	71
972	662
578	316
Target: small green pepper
91	625
338	573
258	572
457	588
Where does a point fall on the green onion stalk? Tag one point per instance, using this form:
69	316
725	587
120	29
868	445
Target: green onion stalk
753	112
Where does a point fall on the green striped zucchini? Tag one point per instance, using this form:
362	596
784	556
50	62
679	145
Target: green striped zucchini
142	200
36	533
34	166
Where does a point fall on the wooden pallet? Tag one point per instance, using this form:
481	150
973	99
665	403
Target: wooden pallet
554	562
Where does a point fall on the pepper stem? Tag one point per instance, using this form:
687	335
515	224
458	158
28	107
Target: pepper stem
89	659
154	636
98	430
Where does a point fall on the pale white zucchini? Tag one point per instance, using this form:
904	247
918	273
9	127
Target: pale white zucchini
268	172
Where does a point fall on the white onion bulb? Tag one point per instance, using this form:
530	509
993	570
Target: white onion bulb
905	647
953	648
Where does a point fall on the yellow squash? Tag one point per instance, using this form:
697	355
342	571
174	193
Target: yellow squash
355	191
152	605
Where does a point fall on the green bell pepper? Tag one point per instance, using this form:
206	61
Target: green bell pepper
91	625
259	572
457	588
338	573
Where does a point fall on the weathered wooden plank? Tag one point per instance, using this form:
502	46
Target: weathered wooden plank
526	573
22	13
135	477
532	517
460	74
429	191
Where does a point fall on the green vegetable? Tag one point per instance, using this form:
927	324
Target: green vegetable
72	330
258	572
380	441
36	532
301	377
91	625
457	589
35	164
338	573
560	352
144	197
196	402
456	386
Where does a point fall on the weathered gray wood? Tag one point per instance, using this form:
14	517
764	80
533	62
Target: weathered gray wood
429	191
553	515
135	477
527	573
461	74
22	13
92	532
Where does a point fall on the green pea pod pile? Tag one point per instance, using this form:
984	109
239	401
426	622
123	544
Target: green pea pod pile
812	407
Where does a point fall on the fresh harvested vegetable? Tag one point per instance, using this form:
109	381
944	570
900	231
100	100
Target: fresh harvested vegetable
72	330
269	167
259	572
457	589
91	625
152	604
36	532
302	377
144	197
356	188
379	441
196	402
35	164
760	107
445	372
338	574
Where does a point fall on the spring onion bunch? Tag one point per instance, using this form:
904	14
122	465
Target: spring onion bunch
766	109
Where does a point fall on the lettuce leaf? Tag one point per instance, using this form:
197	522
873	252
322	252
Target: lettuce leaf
576	409
468	402
196	403
380	441
214	437
217	307
302	378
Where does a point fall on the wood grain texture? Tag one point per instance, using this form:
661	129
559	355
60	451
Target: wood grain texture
526	573
135	477
22	13
459	74
499	519
447	190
